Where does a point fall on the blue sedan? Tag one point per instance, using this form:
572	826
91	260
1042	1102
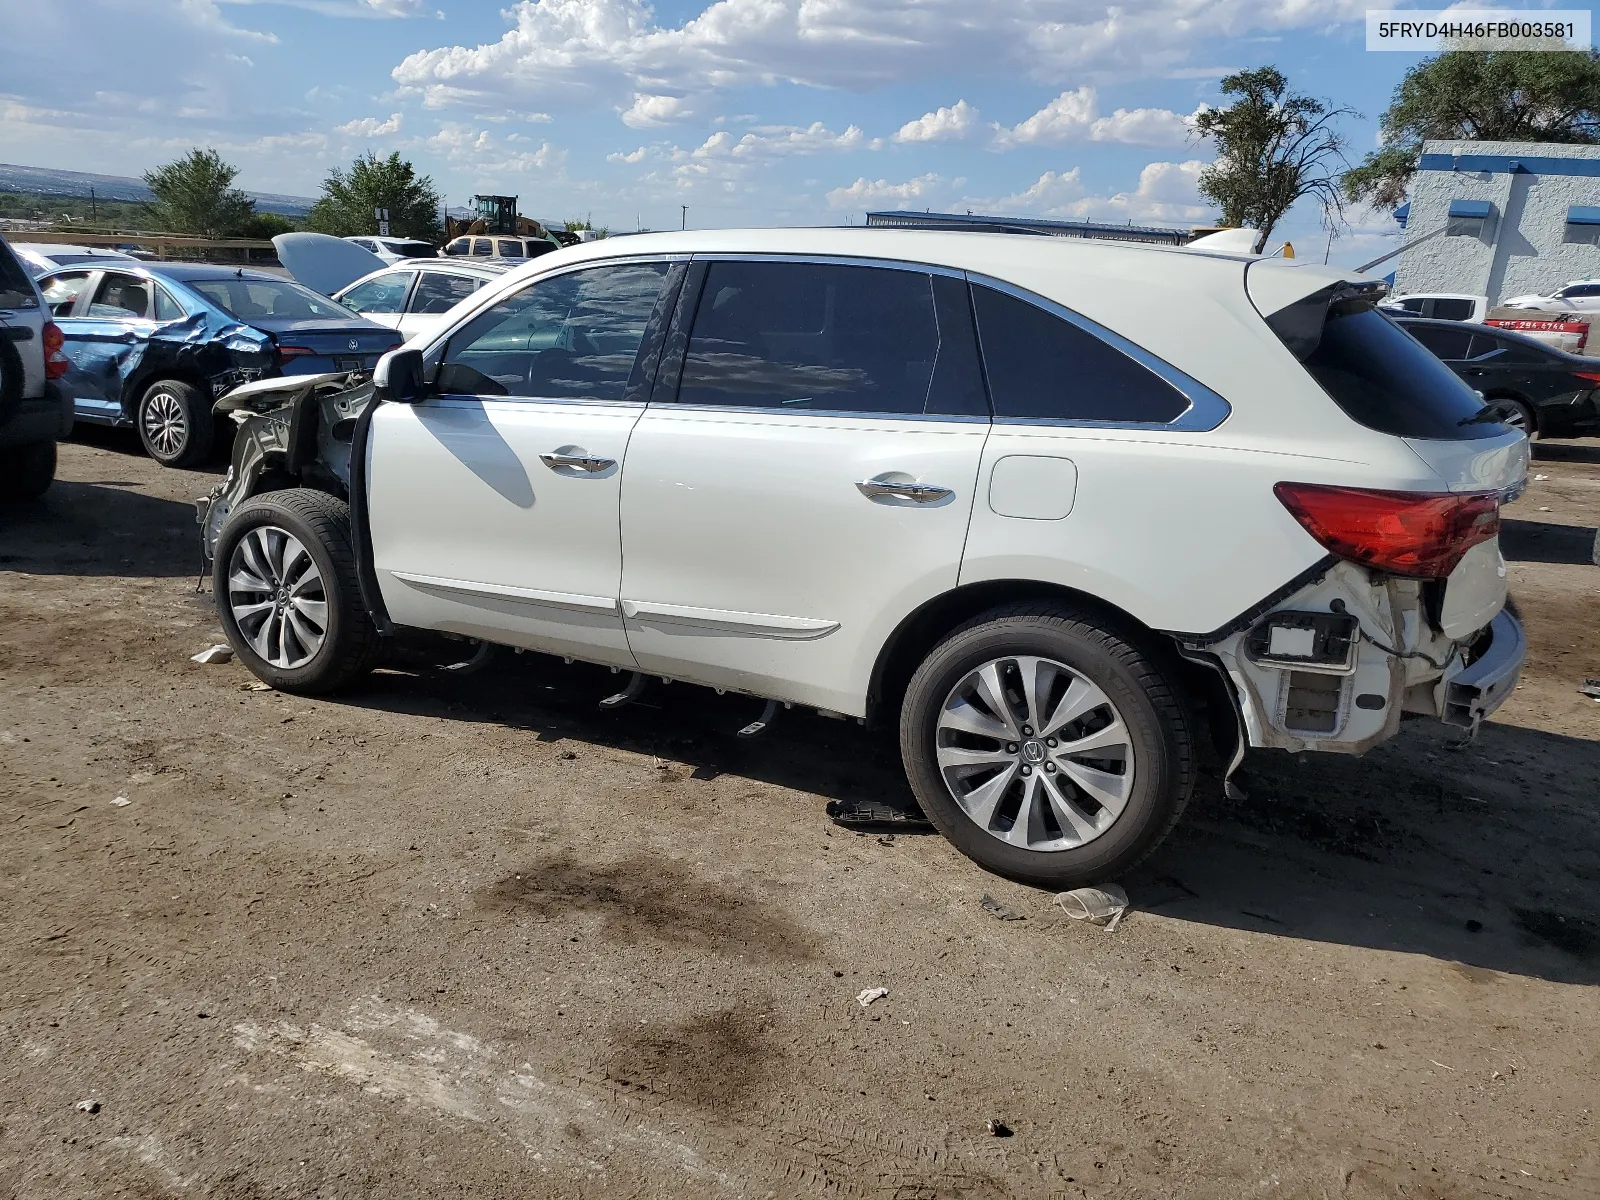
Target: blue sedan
154	345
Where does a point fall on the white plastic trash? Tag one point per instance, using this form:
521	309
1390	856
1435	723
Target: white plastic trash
216	654
867	996
1102	906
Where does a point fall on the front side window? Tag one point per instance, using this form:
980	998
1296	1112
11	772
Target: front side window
832	338
385	294
1044	367
61	292
1579	291
571	337
120	297
438	292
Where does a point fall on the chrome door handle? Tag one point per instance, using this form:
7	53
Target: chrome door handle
582	462
922	493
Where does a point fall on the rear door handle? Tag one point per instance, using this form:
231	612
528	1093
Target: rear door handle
579	460
922	493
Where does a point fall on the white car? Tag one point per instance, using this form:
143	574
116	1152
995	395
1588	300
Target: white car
393	249
1581	295
969	485
414	296
40	257
1442	306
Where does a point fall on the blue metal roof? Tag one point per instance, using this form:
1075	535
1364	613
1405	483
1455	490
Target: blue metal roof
1583	214
1470	208
1511	164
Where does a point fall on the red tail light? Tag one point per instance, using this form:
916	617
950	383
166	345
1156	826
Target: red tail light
1591	376
55	358
1419	534
285	353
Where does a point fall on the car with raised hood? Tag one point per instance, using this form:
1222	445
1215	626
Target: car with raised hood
1533	386
153	345
959	484
34	410
393	249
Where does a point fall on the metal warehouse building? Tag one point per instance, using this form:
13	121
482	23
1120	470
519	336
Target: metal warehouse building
1501	219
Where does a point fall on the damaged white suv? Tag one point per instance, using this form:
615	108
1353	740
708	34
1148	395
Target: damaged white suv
1065	511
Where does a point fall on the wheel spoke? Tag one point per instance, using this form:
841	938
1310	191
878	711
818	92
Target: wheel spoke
1082	698
968	718
252	548
1114	734
1111	791
314	611
1022	830
243	612
293	553
1038	674
952	757
1068	815
982	800
991	690
244	579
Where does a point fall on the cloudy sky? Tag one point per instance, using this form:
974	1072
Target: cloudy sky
747	111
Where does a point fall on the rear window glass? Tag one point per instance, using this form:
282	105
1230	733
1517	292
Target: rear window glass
254	299
1447	309
411	249
1043	367
15	289
1384	378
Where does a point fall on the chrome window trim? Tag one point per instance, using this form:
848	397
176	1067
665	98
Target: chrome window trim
455	400
1206	408
674	406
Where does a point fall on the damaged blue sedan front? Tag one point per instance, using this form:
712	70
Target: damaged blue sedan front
154	345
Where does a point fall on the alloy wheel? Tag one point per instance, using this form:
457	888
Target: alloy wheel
166	428
1035	753
277	597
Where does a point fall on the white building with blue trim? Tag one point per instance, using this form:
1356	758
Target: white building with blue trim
1501	219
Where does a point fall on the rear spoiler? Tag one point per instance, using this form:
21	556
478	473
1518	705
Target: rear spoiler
1299	324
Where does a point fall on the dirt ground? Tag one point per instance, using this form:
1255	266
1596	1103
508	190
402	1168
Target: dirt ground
455	936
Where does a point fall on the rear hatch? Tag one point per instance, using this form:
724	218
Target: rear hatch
1386	380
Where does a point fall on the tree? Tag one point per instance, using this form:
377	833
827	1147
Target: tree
266	225
195	194
1499	96
1274	147
349	198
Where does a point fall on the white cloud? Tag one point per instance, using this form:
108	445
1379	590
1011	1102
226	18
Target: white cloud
633	156
1166	194
951	124
349	8
865	192
617	49
1073	116
370	126
777	140
649	111
478	151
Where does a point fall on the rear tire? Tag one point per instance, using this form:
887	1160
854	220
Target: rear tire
1137	769
175	423
286	589
1525	419
26	472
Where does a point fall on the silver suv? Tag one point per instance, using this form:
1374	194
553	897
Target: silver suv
34	411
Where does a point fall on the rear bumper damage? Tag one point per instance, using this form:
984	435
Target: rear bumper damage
1337	664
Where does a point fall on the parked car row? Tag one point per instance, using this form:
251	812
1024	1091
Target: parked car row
957	483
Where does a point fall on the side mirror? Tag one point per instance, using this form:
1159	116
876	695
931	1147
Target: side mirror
397	379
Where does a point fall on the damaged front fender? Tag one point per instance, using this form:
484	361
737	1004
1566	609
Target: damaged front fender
292	432
111	363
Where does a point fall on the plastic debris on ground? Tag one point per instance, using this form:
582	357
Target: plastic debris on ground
258	686
999	911
1590	688
1540	478
121	802
87	1106
997	1127
868	815
868	996
222	653
1102	906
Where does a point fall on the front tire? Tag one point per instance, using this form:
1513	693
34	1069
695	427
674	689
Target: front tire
26	472
286	588
175	423
1047	748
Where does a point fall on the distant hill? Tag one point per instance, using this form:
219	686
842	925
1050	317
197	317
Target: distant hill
47	182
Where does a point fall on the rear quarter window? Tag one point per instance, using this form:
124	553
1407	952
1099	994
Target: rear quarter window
16	289
1379	374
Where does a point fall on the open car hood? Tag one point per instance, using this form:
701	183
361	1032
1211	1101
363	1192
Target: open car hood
323	263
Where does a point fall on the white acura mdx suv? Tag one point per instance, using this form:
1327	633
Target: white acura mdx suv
1069	513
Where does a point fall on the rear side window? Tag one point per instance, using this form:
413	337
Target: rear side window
1504	351
570	337
438	292
1444	341
1043	367
1448	309
167	309
511	248
16	291
825	337
1376	372
482	247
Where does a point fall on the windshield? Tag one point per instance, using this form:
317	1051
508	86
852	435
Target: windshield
252	299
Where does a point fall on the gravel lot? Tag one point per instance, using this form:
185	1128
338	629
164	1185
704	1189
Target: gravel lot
471	937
